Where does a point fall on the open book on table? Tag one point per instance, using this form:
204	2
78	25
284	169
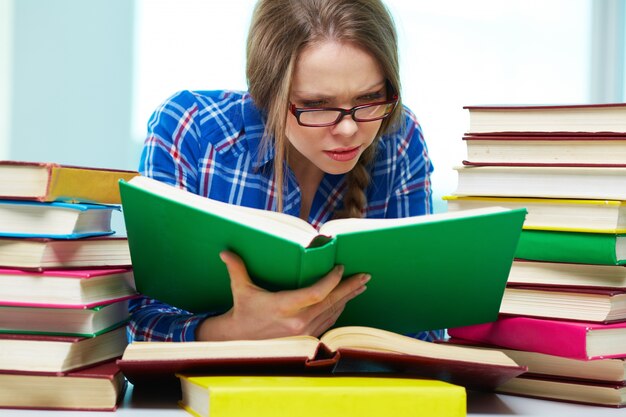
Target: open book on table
343	350
428	272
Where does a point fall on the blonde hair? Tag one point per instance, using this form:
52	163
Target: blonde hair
279	31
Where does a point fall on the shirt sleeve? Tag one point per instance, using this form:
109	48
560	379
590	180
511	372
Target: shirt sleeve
171	150
411	193
168	155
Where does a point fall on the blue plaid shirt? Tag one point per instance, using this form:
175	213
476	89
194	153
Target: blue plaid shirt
209	142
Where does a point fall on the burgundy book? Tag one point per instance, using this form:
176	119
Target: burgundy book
98	388
567	390
346	350
562	119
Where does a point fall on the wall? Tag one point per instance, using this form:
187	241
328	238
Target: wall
72	82
6	52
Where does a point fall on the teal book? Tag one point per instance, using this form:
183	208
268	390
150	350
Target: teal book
428	272
573	247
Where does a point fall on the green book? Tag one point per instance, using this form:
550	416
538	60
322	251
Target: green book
428	272
573	247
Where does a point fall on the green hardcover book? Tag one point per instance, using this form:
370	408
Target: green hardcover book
428	272
573	247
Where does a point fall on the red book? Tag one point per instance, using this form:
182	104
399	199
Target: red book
344	350
570	339
98	388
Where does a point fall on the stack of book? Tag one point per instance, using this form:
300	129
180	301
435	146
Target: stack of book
65	282
564	308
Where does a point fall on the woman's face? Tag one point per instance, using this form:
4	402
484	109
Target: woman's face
332	74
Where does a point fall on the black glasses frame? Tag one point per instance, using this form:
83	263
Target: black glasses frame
297	111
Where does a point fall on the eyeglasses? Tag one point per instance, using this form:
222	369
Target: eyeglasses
329	116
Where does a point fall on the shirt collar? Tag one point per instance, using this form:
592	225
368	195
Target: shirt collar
254	127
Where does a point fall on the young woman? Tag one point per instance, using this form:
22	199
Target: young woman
322	133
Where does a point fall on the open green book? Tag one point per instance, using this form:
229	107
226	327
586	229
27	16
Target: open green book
428	272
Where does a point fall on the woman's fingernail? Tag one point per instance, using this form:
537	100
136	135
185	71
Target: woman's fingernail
365	278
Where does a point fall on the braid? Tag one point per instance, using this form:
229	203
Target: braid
358	179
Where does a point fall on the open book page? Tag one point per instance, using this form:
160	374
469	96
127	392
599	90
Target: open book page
295	346
377	340
341	226
274	223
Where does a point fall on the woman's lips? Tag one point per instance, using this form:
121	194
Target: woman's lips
343	154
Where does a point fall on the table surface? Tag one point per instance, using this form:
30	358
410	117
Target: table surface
140	401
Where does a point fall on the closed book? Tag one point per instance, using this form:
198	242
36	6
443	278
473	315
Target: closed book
589	216
97	388
44	253
459	259
81	288
568	390
278	396
608	370
609	117
76	321
569	339
565	274
546	149
58	354
584	248
47	181
584	304
340	351
54	220
602	183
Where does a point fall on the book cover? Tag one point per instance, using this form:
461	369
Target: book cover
546	149
568	390
54	220
62	288
47	181
568	215
602	183
341	351
43	253
609	117
97	388
57	354
569	339
459	259
584	248
276	396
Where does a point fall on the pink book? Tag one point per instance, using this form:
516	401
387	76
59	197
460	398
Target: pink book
569	339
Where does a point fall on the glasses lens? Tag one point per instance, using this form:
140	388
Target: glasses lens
320	117
373	112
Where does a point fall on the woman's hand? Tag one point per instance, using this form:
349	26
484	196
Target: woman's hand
261	314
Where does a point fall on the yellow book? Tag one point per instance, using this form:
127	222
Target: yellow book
47	181
568	215
291	396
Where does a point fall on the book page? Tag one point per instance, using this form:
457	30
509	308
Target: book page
377	340
275	223
341	226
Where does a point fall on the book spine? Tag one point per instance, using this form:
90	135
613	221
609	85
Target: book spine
587	248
